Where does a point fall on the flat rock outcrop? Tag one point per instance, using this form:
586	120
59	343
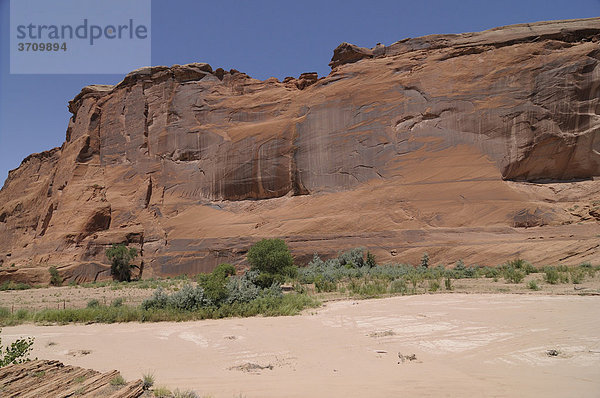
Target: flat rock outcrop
478	146
43	378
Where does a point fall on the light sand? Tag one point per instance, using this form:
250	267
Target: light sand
466	345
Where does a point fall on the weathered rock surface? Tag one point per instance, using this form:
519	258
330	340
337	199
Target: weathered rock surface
43	378
480	146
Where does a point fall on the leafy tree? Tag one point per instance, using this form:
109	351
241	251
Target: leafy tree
425	260
273	260
120	257
55	278
18	352
370	260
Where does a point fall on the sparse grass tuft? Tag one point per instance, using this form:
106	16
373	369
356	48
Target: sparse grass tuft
118	380
184	394
147	380
162	392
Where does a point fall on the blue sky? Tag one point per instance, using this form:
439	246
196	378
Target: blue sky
261	38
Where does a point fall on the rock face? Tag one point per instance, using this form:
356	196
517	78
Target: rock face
480	146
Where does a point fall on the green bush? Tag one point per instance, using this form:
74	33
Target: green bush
55	278
215	283
120	257
552	276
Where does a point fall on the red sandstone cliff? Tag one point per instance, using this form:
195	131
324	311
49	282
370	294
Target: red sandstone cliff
480	146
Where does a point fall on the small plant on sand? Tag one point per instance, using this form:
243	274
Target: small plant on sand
17	352
55	278
120	257
147	380
118	380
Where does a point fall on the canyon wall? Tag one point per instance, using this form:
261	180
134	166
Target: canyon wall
478	146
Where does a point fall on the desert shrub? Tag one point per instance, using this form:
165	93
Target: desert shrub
459	266
159	300
147	381
188	298
367	288
448	283
55	278
533	285
434	286
17	352
398	286
21	314
491	272
273	260
10	285
242	289
562	268
325	284
118	302
415	278
522	265
353	258
120	257
513	275
551	275
93	303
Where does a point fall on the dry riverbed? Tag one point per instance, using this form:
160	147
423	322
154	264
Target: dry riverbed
497	345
